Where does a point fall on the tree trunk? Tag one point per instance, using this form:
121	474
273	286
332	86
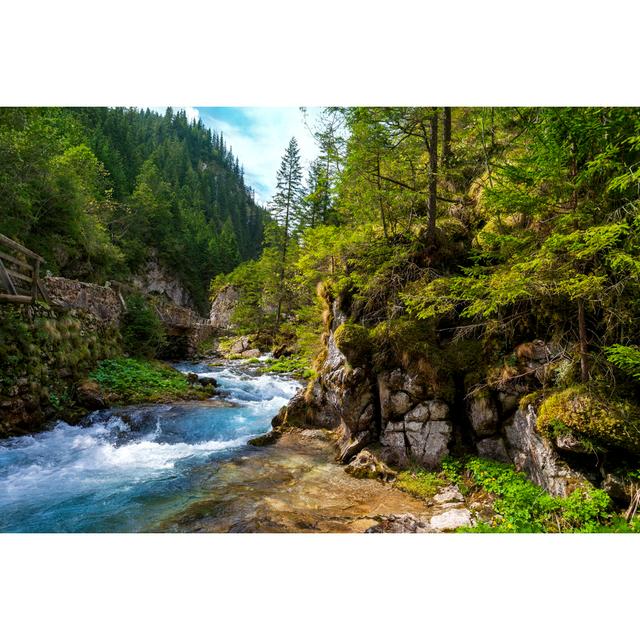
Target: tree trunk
433	175
584	344
446	137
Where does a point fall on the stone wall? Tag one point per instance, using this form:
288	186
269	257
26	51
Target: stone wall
44	353
102	302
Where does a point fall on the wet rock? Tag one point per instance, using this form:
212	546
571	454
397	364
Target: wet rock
367	465
192	378
89	395
349	445
266	439
493	448
401	523
451	520
483	415
251	353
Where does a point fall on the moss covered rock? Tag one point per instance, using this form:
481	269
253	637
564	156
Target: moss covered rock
602	421
353	340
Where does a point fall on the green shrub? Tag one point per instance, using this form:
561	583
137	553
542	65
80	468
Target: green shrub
134	381
353	340
522	507
142	331
625	358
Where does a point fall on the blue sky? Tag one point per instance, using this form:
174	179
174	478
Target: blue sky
258	137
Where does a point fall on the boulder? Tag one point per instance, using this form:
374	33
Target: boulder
493	448
89	395
451	520
534	456
251	353
483	415
367	465
240	345
448	495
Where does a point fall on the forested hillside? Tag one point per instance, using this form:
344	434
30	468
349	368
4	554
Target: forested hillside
97	191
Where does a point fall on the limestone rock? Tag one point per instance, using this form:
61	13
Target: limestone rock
448	495
153	278
367	465
493	448
533	455
240	345
451	520
568	442
425	442
483	415
399	403
223	306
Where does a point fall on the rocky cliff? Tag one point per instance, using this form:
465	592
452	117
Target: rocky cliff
417	410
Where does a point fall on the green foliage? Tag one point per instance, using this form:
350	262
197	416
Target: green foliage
290	364
142	331
522	507
354	341
626	358
419	482
588	415
133	381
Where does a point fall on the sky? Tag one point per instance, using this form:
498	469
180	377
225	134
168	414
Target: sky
258	137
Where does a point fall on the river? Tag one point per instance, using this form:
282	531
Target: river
129	469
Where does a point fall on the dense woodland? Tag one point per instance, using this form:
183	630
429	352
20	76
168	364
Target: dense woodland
96	191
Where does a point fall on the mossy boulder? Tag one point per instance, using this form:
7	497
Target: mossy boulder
592	418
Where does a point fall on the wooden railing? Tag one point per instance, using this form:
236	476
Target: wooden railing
19	273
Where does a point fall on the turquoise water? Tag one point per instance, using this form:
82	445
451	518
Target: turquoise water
128	469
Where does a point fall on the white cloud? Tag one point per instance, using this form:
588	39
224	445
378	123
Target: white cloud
259	145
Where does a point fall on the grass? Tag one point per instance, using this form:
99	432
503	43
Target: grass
131	381
420	483
290	364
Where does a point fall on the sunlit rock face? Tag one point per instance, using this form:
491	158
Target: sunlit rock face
154	278
533	455
223	306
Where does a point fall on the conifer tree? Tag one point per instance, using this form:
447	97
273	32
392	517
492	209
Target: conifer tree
286	208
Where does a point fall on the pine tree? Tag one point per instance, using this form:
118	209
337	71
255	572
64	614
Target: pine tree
286	207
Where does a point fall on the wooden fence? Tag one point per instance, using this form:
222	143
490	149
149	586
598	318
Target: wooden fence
19	273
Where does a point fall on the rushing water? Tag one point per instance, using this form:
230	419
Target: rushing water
127	469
